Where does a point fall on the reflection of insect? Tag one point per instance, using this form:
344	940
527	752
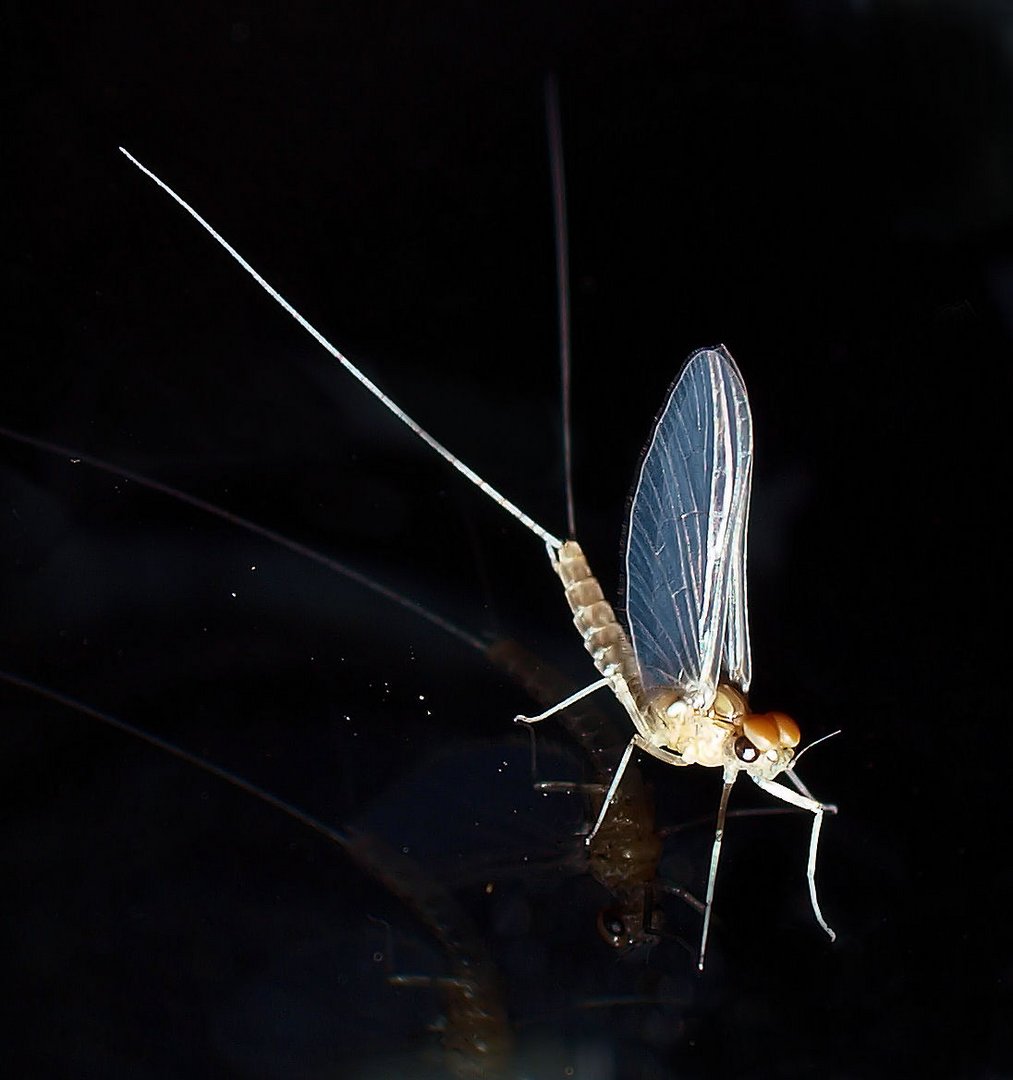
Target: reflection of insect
625	851
683	672
476	1034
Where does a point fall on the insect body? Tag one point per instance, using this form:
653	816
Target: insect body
683	671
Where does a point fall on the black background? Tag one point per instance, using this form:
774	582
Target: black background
826	188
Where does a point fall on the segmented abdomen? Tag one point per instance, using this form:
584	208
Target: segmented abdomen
594	618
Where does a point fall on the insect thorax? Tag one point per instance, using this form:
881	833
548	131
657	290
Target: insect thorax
724	734
698	736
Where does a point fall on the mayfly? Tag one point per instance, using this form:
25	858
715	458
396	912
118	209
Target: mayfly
683	672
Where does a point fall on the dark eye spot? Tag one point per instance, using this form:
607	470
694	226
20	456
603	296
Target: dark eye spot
612	928
745	751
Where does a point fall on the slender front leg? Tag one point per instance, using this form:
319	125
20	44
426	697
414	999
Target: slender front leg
796	780
817	809
712	875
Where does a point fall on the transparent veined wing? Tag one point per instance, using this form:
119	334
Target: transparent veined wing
686	539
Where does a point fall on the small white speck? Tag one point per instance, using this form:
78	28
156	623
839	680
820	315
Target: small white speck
233	596
253	568
422	697
405	850
75	461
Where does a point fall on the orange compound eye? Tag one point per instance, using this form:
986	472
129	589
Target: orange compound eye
770	731
761	730
787	728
